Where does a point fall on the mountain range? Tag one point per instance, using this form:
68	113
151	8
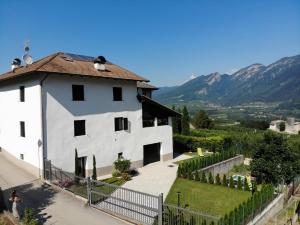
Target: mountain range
277	82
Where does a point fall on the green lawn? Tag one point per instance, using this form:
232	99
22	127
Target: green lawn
213	199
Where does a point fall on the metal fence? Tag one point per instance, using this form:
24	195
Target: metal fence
173	215
141	207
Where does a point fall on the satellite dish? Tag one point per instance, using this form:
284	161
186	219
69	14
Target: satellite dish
27	59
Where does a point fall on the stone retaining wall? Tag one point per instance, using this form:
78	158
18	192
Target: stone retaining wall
224	166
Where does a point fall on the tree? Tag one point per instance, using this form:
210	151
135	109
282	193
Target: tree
239	183
210	178
218	180
175	122
246	185
224	181
202	121
231	183
282	126
203	178
94	176
185	122
275	161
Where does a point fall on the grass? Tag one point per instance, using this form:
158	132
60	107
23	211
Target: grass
242	169
81	189
213	199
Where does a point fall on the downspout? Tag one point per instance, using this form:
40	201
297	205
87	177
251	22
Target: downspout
43	124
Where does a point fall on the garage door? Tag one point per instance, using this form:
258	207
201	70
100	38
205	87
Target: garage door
151	153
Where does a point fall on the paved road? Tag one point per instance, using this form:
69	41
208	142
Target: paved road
50	206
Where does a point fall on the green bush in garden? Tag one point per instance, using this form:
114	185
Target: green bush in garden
203	178
250	208
231	183
224	181
122	165
218	180
239	183
197	176
210	178
199	163
246	185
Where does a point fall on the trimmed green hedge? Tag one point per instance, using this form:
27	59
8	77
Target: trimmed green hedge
245	211
191	143
187	167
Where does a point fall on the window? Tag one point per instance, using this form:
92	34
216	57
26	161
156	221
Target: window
78	92
22	128
120	155
79	127
162	121
117	91
22	94
121	123
22	156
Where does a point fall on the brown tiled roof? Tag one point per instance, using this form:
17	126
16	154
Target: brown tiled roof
145	85
57	63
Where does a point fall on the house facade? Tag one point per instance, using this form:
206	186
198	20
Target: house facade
65	102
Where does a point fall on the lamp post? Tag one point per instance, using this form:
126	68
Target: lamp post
178	198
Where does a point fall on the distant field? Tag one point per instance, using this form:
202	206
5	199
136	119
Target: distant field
213	199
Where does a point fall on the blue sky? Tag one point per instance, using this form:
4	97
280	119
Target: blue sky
165	41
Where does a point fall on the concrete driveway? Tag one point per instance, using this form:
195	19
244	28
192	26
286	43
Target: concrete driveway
50	206
156	178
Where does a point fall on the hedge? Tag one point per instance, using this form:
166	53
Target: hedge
188	167
191	143
250	208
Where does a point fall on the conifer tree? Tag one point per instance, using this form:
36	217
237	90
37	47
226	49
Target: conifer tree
246	185
175	124
185	122
210	178
239	183
218	180
94	176
225	183
231	183
203	178
197	176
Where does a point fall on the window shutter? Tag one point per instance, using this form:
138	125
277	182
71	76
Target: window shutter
125	120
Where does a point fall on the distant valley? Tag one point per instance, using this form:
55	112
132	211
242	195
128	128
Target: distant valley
276	85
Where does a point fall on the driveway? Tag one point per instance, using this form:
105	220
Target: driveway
156	178
50	206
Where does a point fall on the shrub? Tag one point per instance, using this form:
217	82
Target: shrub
246	185
126	176
231	183
94	176
210	178
239	183
203	178
122	165
116	173
218	180
225	183
197	176
28	217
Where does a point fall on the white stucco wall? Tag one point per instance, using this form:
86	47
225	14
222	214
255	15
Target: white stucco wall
12	111
99	111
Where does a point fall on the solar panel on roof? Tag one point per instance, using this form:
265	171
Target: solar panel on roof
79	57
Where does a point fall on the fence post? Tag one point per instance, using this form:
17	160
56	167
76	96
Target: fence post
88	190
160	209
50	171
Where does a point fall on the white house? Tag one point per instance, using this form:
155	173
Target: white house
65	102
291	127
